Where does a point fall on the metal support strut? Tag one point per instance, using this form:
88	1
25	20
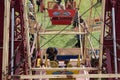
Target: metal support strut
114	36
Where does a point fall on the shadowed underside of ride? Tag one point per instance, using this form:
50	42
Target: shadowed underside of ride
16	48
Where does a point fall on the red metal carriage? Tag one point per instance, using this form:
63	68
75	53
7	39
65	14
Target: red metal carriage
61	16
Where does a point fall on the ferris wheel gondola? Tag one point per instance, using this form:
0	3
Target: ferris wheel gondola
60	15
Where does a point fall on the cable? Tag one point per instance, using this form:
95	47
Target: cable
15	52
54	36
88	10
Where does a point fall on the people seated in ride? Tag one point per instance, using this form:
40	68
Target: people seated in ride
66	62
69	4
51	53
71	1
58	5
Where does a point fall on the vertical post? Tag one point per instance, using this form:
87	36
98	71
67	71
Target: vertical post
6	39
34	7
79	4
27	34
89	19
114	36
80	38
12	40
101	39
102	32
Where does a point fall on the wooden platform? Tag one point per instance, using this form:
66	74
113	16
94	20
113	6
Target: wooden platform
67	76
65	51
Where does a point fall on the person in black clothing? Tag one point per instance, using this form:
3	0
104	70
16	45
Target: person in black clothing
78	41
76	22
76	19
52	53
38	4
33	57
58	1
